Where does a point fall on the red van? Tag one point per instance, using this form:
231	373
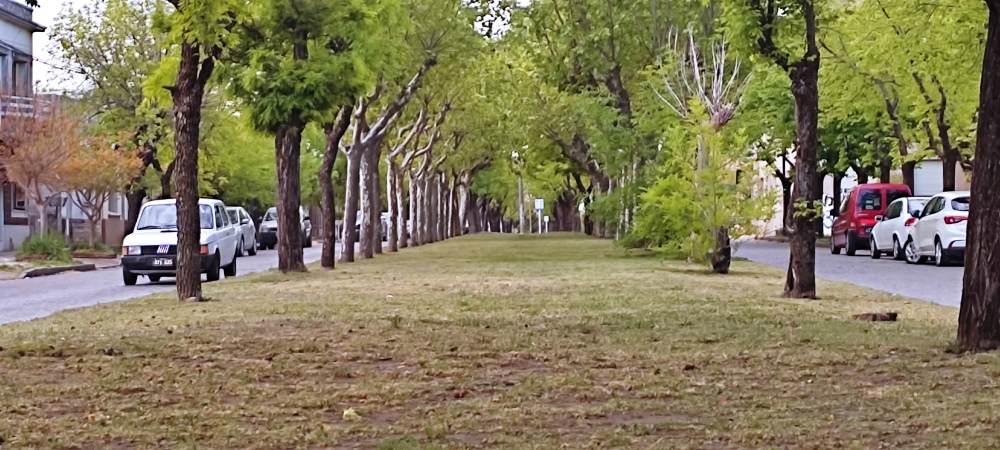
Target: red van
853	224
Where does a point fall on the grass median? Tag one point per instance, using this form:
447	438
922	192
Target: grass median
510	342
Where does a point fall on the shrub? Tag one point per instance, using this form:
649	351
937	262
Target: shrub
48	247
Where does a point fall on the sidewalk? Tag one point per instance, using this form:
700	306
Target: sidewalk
7	261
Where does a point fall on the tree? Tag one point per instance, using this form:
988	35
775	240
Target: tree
35	148
763	24
201	30
979	314
116	48
333	132
297	65
96	170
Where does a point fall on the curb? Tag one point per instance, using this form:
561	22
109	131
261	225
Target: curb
820	242
45	271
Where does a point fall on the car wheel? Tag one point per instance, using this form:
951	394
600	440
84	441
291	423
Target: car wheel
897	250
213	269
876	253
239	250
911	253
253	249
939	259
230	269
850	247
833	246
129	278
154	278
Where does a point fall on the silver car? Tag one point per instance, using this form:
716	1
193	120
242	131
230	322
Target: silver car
269	228
240	218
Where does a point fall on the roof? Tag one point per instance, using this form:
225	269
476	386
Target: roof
953	194
171	201
19	14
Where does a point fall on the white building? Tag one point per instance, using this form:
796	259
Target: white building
16	29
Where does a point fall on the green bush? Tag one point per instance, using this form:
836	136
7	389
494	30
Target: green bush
98	247
48	247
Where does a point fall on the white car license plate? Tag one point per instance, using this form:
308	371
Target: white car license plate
162	262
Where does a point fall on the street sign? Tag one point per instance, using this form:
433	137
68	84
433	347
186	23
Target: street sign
546	219
539	204
583	208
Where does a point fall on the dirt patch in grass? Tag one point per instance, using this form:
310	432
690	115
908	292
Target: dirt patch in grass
499	342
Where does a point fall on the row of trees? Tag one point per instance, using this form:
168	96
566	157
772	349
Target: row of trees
643	110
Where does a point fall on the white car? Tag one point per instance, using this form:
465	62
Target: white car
269	228
240	218
940	230
893	227
151	249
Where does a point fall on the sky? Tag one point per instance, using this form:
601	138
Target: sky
46	75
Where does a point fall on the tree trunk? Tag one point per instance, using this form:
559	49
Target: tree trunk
801	279
948	165
472	213
334	132
722	255
392	199
352	194
416	211
979	315
135	199
165	180
376	199
838	182
909	170
404	212
188	94
367	173
93	230
287	143
885	170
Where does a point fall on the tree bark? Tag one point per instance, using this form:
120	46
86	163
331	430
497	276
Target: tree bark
166	178
188	94
979	314
352	200
135	198
334	132
801	279
392	199
367	205
287	146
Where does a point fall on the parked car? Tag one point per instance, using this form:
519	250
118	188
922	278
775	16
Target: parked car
151	249
248	233
853	223
892	231
384	225
268	235
940	230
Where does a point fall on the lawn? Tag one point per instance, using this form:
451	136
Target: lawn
501	342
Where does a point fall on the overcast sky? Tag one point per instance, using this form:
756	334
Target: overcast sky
46	75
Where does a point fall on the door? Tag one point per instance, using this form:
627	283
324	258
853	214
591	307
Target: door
840	222
228	234
891	221
928	223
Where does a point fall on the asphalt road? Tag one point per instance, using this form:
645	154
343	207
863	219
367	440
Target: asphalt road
941	285
39	297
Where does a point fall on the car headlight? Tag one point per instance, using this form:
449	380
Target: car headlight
132	250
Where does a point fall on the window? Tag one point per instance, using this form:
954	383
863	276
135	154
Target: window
932	206
893	195
234	215
893	211
869	200
271	214
220	218
164	217
915	206
114	203
960	204
20	199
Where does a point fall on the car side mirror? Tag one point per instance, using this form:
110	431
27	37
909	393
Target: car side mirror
916	214
245	222
878	218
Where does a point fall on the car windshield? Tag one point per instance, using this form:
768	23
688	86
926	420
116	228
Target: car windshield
916	206
271	214
164	217
869	200
234	215
960	204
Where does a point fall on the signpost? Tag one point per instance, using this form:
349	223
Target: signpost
546	224
539	207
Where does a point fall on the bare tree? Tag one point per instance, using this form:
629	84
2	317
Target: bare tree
718	89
